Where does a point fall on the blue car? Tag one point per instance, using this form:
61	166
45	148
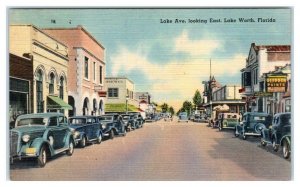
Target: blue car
183	117
85	129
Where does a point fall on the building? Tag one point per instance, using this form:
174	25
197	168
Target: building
262	59
86	93
20	86
120	90
209	87
49	58
144	99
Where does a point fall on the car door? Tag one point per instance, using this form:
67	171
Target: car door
58	131
96	127
89	128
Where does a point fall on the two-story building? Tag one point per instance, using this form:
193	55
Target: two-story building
261	59
120	90
49	58
86	93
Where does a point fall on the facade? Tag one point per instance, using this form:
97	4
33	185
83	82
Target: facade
120	90
144	99
49	67
261	60
209	87
86	93
20	86
230	96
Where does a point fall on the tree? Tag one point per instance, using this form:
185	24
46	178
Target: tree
164	107
197	100
188	107
171	110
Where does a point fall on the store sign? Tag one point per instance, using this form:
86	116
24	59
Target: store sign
102	93
263	94
276	83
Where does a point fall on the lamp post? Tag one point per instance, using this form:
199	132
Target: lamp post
127	98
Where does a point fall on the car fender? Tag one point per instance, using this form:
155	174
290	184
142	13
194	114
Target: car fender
265	134
287	138
38	143
274	136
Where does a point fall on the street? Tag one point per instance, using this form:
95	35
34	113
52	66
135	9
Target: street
164	151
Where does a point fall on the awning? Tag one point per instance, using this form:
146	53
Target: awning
57	103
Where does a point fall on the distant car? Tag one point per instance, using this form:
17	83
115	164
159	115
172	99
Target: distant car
139	121
86	129
228	120
40	136
252	123
279	133
111	125
130	122
168	117
183	117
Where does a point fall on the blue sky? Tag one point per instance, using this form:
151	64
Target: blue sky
170	60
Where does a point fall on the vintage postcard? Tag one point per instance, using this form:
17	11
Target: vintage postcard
150	94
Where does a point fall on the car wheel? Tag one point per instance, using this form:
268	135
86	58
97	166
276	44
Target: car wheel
286	149
42	158
83	142
244	135
111	134
236	132
274	145
262	142
70	151
99	139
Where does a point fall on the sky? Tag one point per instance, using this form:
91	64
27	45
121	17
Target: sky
170	60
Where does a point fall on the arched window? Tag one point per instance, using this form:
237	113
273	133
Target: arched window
51	84
39	92
61	88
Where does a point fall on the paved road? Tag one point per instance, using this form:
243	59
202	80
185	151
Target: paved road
164	151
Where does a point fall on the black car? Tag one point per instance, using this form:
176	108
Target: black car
86	129
138	119
252	124
279	133
130	122
112	124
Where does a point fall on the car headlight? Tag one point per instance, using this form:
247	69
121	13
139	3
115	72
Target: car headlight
26	138
103	126
76	134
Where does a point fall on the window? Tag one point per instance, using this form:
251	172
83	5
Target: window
51	84
53	121
94	71
86	67
113	92
61	88
39	92
100	74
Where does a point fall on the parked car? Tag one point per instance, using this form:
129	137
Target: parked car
40	136
183	117
200	118
130	122
168	117
86	129
252	123
111	125
139	121
279	133
228	120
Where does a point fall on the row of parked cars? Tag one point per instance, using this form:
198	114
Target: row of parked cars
274	130
44	135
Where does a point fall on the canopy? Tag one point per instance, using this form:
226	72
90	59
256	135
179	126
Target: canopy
57	103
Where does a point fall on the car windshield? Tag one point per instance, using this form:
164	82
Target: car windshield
32	121
77	121
106	118
262	119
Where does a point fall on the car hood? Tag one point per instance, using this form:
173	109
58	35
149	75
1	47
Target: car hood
31	128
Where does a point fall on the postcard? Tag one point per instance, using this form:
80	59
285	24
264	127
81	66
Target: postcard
150	94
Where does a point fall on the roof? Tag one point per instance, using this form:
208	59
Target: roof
40	115
79	27
272	48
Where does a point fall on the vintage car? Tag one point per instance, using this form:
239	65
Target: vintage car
139	121
130	122
168	117
40	136
183	117
200	118
279	133
85	129
228	120
252	123
112	124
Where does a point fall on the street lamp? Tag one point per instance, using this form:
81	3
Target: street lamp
127	98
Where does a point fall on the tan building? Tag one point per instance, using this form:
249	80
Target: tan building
50	66
86	70
120	89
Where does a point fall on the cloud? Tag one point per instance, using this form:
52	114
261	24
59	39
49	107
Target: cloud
204	46
175	81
